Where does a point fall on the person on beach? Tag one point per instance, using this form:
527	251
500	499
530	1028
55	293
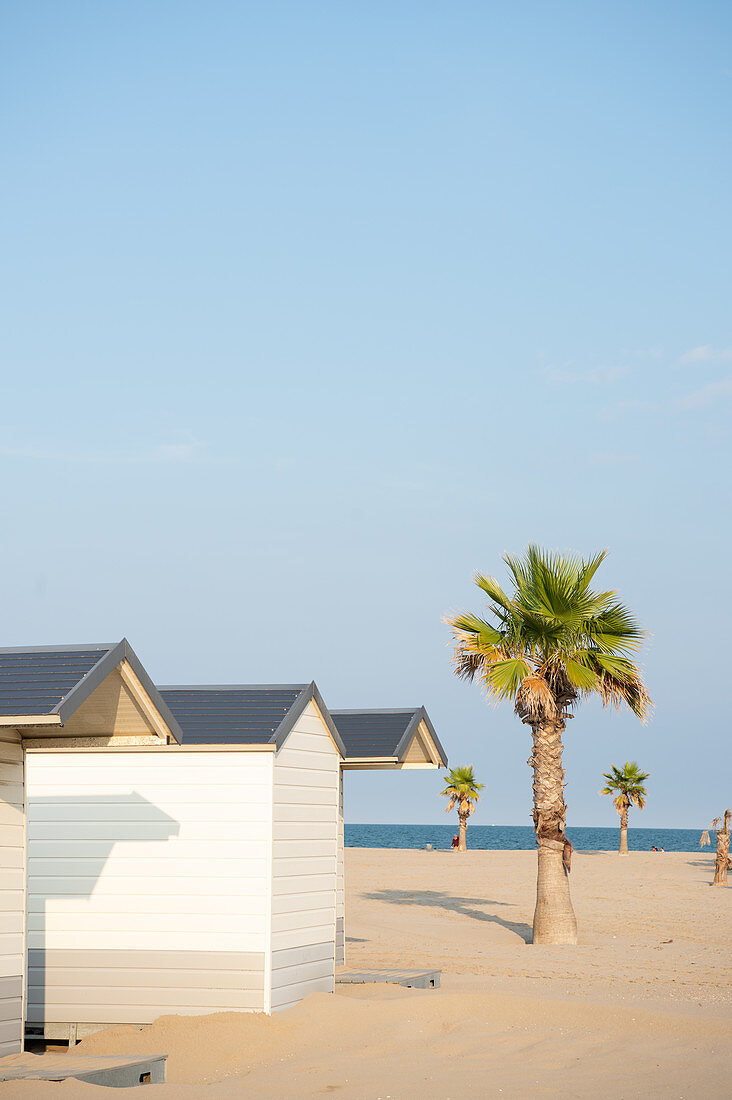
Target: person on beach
455	842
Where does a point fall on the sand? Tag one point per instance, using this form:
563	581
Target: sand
641	1008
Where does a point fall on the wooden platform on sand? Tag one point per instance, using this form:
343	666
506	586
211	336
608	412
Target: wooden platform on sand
110	1070
413	979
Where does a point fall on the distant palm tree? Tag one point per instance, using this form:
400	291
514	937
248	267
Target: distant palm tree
627	784
722	861
552	642
463	790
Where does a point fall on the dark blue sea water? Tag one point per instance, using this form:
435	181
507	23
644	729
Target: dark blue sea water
518	836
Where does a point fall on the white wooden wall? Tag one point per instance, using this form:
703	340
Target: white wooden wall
304	872
12	892
148	884
340	954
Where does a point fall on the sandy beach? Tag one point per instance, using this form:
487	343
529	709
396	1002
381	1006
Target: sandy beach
641	1008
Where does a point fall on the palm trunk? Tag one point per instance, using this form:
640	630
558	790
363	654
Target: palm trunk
463	842
623	850
554	920
720	864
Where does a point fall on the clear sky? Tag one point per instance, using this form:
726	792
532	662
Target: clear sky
312	309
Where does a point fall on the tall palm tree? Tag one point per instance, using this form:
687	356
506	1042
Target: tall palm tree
463	790
627	784
721	825
552	642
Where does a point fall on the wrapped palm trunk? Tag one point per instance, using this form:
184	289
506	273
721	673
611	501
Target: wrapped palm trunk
554	919
720	863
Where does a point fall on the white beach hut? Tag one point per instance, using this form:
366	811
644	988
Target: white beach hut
183	846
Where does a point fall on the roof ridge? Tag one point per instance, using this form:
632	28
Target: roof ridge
231	687
375	710
90	647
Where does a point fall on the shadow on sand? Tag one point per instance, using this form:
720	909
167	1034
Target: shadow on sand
434	899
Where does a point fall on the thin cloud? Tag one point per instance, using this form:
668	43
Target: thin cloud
626	408
607	458
594	376
705	353
174	452
707	395
160	453
643	353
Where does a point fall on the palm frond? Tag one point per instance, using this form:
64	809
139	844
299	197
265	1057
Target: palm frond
492	588
628	784
580	676
590	567
483	632
555	631
461	786
502	679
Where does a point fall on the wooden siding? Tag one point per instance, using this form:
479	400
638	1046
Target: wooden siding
340	951
142	856
305	856
12	892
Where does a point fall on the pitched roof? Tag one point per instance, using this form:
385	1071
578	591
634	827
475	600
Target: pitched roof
249	714
43	680
382	733
36	681
49	680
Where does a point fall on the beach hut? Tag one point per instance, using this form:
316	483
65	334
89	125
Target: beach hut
56	696
183	845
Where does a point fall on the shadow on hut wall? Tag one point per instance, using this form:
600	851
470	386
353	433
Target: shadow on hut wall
67	835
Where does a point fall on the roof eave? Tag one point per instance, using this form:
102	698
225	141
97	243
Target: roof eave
29	721
370	763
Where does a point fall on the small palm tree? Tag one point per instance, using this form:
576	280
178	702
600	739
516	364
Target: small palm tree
463	790
627	785
722	861
552	642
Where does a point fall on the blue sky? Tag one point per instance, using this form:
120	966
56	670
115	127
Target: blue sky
310	310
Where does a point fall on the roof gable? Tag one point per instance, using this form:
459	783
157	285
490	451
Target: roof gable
54	682
404	737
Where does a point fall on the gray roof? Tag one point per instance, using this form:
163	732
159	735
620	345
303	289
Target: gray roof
36	681
42	680
231	714
45	680
382	733
243	714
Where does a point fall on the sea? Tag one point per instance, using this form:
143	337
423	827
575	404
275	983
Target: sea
513	837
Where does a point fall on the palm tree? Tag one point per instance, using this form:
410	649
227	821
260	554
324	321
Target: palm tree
722	860
627	784
463	790
552	642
